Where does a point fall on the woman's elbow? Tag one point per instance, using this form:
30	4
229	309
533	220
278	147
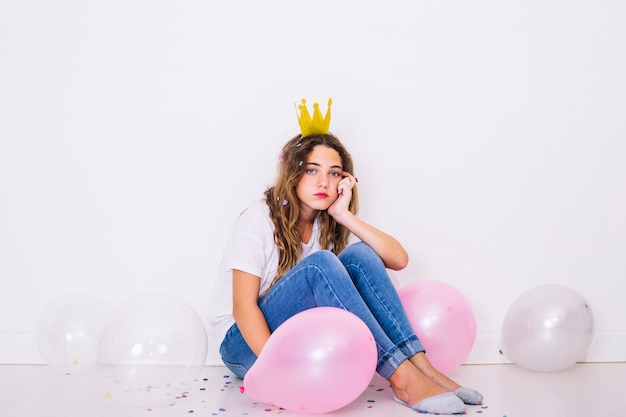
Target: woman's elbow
398	262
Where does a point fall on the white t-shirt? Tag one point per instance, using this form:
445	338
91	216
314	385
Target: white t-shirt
250	248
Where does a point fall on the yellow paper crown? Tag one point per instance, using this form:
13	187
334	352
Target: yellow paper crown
316	124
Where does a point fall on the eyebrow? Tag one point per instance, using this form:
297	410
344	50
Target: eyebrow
318	165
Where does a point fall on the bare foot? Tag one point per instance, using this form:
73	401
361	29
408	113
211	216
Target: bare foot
422	363
412	386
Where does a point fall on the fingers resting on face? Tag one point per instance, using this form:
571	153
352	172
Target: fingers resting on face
347	182
351	179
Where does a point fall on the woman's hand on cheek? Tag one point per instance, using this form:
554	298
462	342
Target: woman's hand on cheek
344	195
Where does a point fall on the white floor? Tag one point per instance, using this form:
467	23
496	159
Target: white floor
596	390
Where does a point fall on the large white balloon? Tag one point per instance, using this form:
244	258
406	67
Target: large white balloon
154	345
548	328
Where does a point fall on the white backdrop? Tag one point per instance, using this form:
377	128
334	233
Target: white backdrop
489	137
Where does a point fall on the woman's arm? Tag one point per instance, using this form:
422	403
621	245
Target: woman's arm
246	311
387	247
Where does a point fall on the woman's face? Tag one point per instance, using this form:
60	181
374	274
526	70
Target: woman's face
317	188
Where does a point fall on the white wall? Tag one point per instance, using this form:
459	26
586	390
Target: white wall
489	137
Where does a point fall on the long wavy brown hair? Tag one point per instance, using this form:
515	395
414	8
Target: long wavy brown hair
285	206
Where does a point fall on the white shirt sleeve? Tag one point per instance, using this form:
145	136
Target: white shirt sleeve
250	248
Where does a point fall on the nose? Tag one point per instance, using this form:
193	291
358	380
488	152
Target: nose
322	183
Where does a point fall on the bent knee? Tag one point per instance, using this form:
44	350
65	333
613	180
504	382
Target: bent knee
323	255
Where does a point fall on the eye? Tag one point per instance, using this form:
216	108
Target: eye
311	171
335	174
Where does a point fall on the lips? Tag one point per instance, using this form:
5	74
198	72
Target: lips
321	195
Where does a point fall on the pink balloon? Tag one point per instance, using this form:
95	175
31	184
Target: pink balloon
317	361
442	319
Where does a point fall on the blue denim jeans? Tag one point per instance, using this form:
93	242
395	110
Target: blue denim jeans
356	281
